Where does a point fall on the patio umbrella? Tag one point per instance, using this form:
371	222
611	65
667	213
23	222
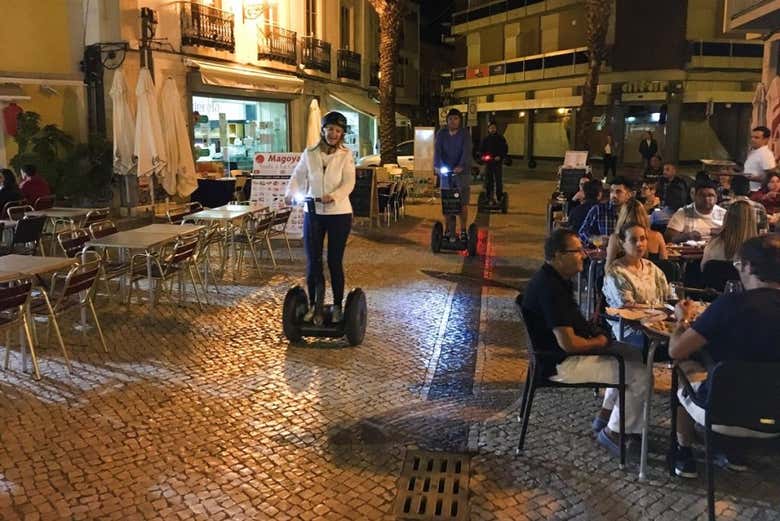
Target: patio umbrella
149	143
313	126
123	126
180	175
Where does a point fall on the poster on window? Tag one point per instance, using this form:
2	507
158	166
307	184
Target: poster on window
270	173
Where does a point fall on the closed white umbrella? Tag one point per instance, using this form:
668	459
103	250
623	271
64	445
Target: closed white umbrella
123	126
313	131
149	144
180	175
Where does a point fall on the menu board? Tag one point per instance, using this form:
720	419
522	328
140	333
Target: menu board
363	195
270	174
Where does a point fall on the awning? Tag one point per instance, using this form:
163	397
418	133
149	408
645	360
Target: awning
242	78
362	104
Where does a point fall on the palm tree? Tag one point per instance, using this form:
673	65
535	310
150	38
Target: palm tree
390	17
597	13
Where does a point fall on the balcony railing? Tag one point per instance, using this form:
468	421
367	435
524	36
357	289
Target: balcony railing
726	49
207	27
276	43
348	65
315	54
373	78
529	64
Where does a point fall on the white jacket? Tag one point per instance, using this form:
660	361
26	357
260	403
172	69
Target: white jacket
310	179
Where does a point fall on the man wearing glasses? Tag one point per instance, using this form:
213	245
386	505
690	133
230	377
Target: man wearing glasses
556	325
737	326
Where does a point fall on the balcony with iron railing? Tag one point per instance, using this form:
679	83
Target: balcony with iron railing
206	26
276	43
484	9
315	54
348	64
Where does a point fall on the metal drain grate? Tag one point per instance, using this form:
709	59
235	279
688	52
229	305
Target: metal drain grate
433	486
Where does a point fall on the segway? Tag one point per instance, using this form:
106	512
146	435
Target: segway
452	204
483	203
296	304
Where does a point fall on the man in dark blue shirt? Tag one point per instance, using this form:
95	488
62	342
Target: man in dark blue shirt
737	326
555	325
592	190
451	161
601	218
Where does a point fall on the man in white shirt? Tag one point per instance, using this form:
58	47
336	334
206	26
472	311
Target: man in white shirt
696	221
759	159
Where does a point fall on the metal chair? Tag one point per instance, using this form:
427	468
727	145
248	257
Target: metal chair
194	207
15	213
741	394
176	215
252	234
11	204
95	216
72	242
44	203
14	301
27	233
171	261
72	289
102	228
278	228
535	379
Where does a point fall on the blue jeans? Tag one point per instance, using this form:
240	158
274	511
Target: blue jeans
315	228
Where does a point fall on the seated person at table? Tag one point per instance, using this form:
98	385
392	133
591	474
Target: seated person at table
654	169
671	181
33	185
648	197
769	197
592	190
579	197
559	327
602	217
737	326
9	191
632	280
740	190
697	220
633	212
738	226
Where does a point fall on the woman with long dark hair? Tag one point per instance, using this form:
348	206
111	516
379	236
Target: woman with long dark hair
9	190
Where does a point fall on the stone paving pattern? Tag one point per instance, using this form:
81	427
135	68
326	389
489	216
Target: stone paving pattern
212	415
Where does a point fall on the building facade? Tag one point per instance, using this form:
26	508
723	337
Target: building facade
670	70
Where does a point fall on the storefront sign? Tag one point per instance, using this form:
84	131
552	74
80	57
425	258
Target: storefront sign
270	174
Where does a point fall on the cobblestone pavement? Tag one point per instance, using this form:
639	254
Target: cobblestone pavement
212	415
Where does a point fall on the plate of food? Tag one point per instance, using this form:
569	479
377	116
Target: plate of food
638	313
660	327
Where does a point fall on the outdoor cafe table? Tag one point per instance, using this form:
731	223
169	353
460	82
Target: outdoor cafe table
14	266
145	238
57	215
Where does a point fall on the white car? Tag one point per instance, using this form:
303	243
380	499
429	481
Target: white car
404	152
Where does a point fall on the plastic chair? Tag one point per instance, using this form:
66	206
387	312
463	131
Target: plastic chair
14	300
741	394
536	380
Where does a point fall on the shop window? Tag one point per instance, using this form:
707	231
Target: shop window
231	130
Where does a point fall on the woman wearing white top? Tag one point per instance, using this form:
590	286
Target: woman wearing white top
632	280
739	225
325	172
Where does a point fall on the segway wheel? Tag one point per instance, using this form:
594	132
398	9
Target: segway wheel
295	306
355	317
437	233
504	203
471	246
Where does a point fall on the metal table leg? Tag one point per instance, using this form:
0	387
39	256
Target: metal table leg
646	411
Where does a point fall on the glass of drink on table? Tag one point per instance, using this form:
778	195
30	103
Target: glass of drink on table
676	291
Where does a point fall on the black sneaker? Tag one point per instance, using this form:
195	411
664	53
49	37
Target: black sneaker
685	463
733	461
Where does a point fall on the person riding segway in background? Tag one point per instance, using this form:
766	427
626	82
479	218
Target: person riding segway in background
493	150
325	175
451	161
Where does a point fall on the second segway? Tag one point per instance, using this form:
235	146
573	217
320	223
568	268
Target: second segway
484	204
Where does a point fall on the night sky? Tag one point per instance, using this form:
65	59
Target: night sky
432	13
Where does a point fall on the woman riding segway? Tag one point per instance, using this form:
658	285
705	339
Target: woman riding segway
325	176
